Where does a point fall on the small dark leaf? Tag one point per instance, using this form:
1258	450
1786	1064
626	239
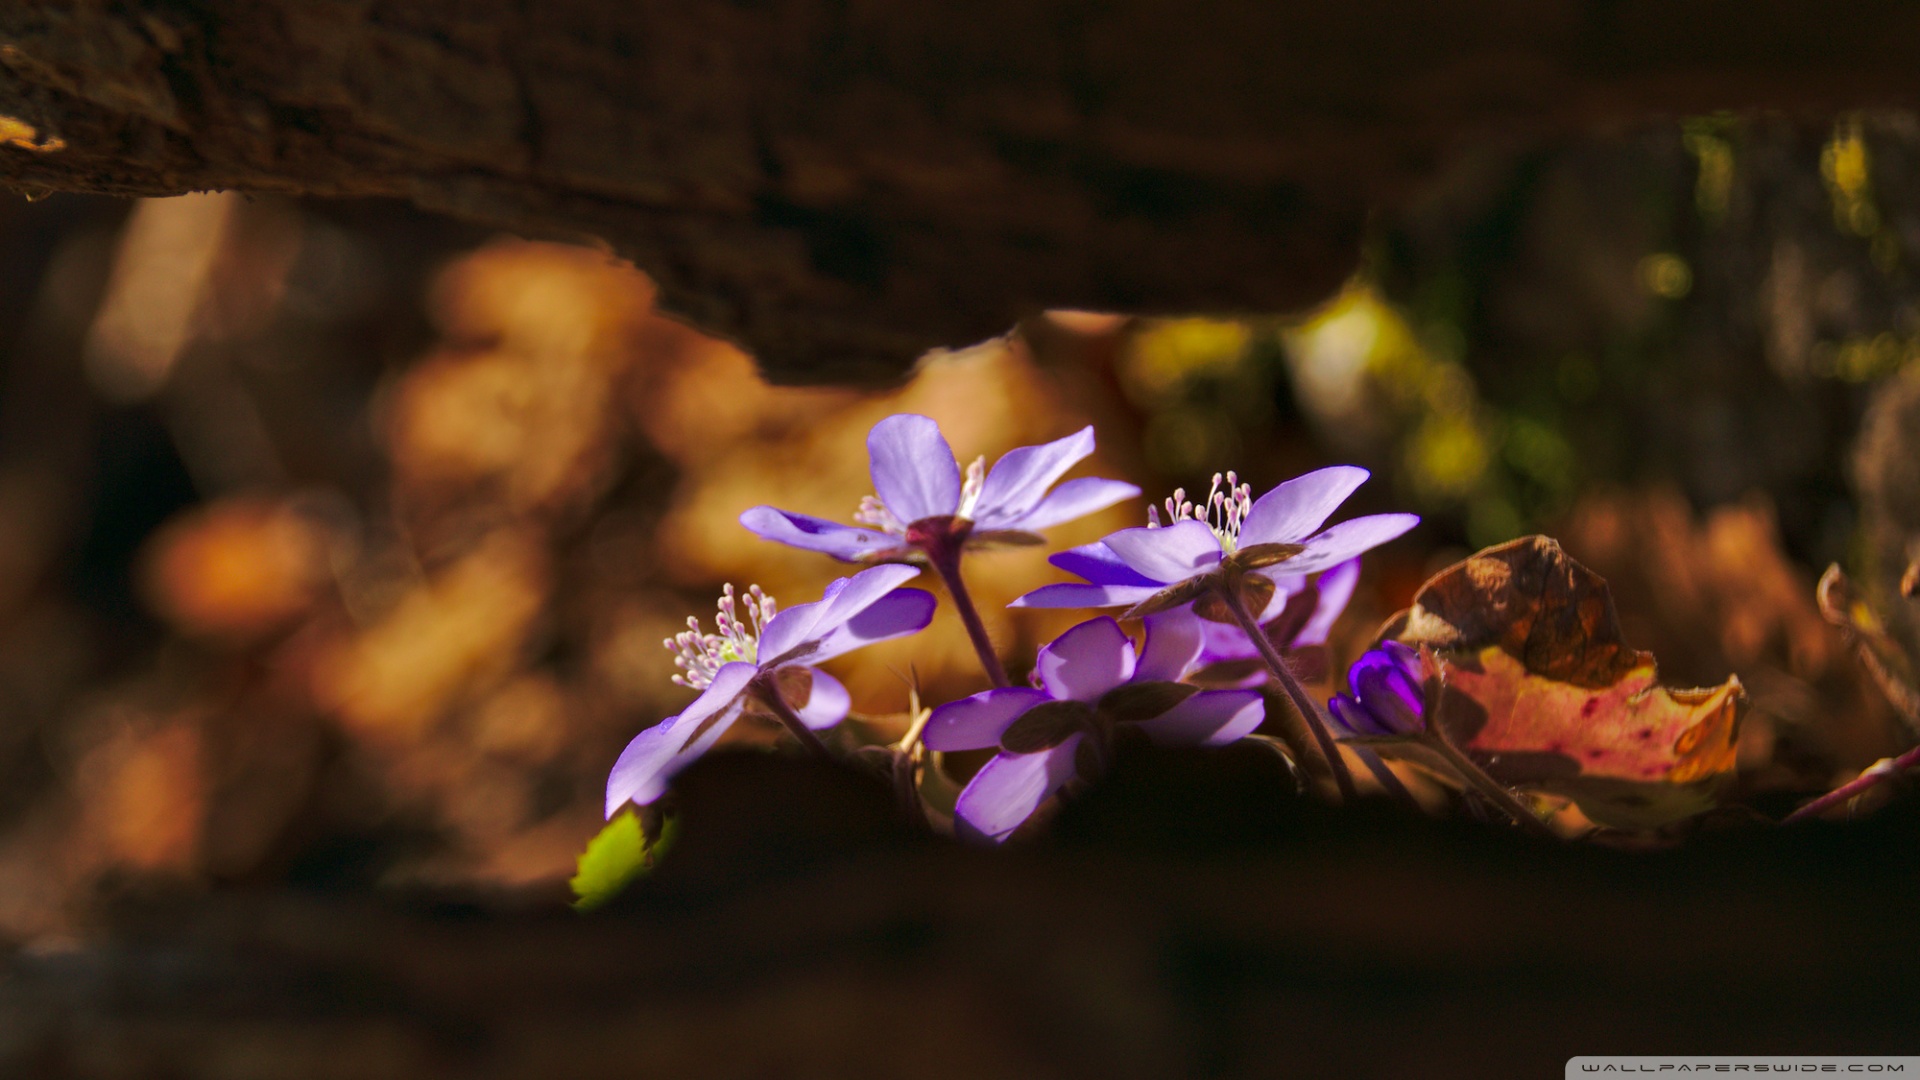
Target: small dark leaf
1172	597
1261	555
1005	538
1255	593
1227	674
1046	726
1139	701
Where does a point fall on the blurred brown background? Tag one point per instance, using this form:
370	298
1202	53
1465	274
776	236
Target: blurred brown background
338	541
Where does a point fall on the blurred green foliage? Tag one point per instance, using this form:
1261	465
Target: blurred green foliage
1707	304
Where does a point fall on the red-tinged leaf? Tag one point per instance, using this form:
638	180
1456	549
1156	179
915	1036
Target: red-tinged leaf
1631	755
1544	693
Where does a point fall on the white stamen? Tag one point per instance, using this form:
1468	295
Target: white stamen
970	487
701	655
874	513
1224	511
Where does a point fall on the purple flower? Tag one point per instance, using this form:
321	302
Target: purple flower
766	656
924	501
1270	541
1089	688
1388	687
1297	621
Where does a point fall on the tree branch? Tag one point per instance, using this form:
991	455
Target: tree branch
842	186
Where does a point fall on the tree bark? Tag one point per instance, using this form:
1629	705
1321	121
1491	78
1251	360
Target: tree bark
842	185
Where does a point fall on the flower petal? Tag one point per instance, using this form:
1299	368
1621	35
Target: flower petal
1097	563
728	683
1409	660
1225	641
1021	477
1385	691
817	534
1076	498
1348	539
1178	595
842	599
862	591
1208	718
1336	589
1378	676
1069	595
1351	719
1167	554
640	775
1172	645
637	775
1291	512
913	468
897	614
827	705
1007	790
688	754
977	722
1086	661
792	627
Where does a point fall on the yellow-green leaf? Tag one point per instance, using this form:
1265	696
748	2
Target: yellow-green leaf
613	859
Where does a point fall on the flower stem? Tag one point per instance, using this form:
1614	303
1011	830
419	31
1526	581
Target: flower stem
1494	790
907	790
1859	784
1309	711
915	728
946	562
783	712
1385	775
